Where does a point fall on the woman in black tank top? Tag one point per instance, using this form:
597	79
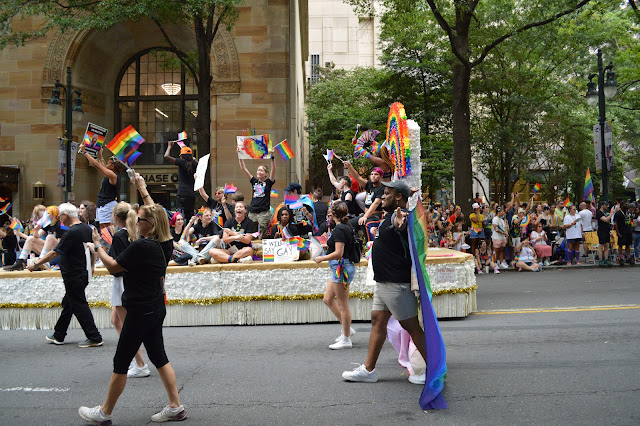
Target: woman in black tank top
109	187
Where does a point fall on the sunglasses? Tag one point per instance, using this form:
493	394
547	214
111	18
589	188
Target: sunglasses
143	219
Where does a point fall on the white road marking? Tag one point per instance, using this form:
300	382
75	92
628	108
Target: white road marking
36	389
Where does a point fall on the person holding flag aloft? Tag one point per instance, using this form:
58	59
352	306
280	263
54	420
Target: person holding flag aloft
186	197
260	207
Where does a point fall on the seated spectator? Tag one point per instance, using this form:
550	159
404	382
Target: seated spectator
285	228
326	227
237	235
483	259
527	259
319	206
207	234
220	209
446	237
9	245
539	239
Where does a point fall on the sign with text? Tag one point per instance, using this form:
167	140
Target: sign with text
279	251
446	275
94	139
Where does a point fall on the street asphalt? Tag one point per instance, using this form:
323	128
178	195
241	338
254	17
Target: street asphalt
557	347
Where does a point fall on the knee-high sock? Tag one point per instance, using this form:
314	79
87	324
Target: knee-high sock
43	253
576	255
567	255
24	254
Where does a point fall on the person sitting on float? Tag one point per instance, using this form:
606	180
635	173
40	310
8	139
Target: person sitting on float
218	204
539	239
237	235
207	235
527	259
325	228
285	228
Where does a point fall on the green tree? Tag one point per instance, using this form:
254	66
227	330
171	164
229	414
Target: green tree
203	17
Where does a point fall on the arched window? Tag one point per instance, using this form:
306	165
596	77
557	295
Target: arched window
158	98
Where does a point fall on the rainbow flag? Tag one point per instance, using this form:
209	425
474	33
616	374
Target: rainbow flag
284	150
303	245
219	221
6	208
200	211
125	144
274	193
182	135
431	397
107	235
588	187
536	188
16	225
268	257
230	189
329	155
566	202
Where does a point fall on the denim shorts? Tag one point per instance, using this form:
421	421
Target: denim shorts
348	267
474	235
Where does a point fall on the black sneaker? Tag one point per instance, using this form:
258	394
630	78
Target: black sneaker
630	261
51	339
90	343
18	266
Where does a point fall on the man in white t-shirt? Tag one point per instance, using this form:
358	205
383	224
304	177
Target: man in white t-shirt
587	224
573	228
499	237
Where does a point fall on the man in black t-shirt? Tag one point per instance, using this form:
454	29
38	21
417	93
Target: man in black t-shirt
207	234
603	218
75	266
260	207
373	200
237	234
392	272
623	224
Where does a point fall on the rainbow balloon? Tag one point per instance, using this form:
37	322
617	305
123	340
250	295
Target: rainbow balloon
398	140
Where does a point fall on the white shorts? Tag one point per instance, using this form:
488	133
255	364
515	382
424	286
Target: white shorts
103	214
116	291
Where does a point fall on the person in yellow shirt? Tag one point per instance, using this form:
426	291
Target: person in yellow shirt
477	226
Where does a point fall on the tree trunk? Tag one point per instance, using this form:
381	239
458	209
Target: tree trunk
203	121
462	137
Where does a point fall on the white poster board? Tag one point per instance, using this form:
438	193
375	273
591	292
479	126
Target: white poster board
279	251
201	172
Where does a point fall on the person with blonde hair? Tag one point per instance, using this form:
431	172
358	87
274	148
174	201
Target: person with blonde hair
125	218
143	264
47	232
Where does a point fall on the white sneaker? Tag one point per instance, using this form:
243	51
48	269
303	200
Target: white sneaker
246	259
547	263
136	371
95	415
496	271
352	333
343	343
418	379
169	414
504	265
360	374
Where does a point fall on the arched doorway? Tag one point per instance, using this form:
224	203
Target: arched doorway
155	95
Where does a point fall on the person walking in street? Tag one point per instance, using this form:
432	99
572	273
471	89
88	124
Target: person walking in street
144	264
75	266
392	295
340	247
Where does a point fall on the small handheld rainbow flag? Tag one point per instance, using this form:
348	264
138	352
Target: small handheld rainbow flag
125	144
107	234
182	135
536	188
6	208
303	245
200	211
284	150
16	225
274	193
219	221
2	200
329	155
588	187
566	202
230	189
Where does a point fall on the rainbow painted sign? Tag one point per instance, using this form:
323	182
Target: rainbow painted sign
257	147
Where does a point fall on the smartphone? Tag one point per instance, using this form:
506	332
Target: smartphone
131	174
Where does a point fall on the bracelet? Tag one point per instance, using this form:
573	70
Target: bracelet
145	196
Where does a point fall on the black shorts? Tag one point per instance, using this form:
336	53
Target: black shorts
625	240
604	238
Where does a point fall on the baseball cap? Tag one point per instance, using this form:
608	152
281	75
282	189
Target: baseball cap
185	150
294	187
475	206
399	186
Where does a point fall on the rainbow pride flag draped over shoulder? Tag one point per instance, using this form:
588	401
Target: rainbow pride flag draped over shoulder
431	397
125	145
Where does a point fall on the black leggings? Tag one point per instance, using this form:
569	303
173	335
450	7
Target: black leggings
141	328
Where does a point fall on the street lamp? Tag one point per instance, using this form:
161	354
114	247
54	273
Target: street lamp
73	113
606	88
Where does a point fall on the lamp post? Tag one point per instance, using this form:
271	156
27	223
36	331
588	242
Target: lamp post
606	88
73	112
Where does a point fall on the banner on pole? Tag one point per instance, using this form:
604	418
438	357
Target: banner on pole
597	147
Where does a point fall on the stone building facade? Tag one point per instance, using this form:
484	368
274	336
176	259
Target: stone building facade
259	78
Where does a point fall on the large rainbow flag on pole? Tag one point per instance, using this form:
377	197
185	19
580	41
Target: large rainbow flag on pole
431	397
125	144
588	187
